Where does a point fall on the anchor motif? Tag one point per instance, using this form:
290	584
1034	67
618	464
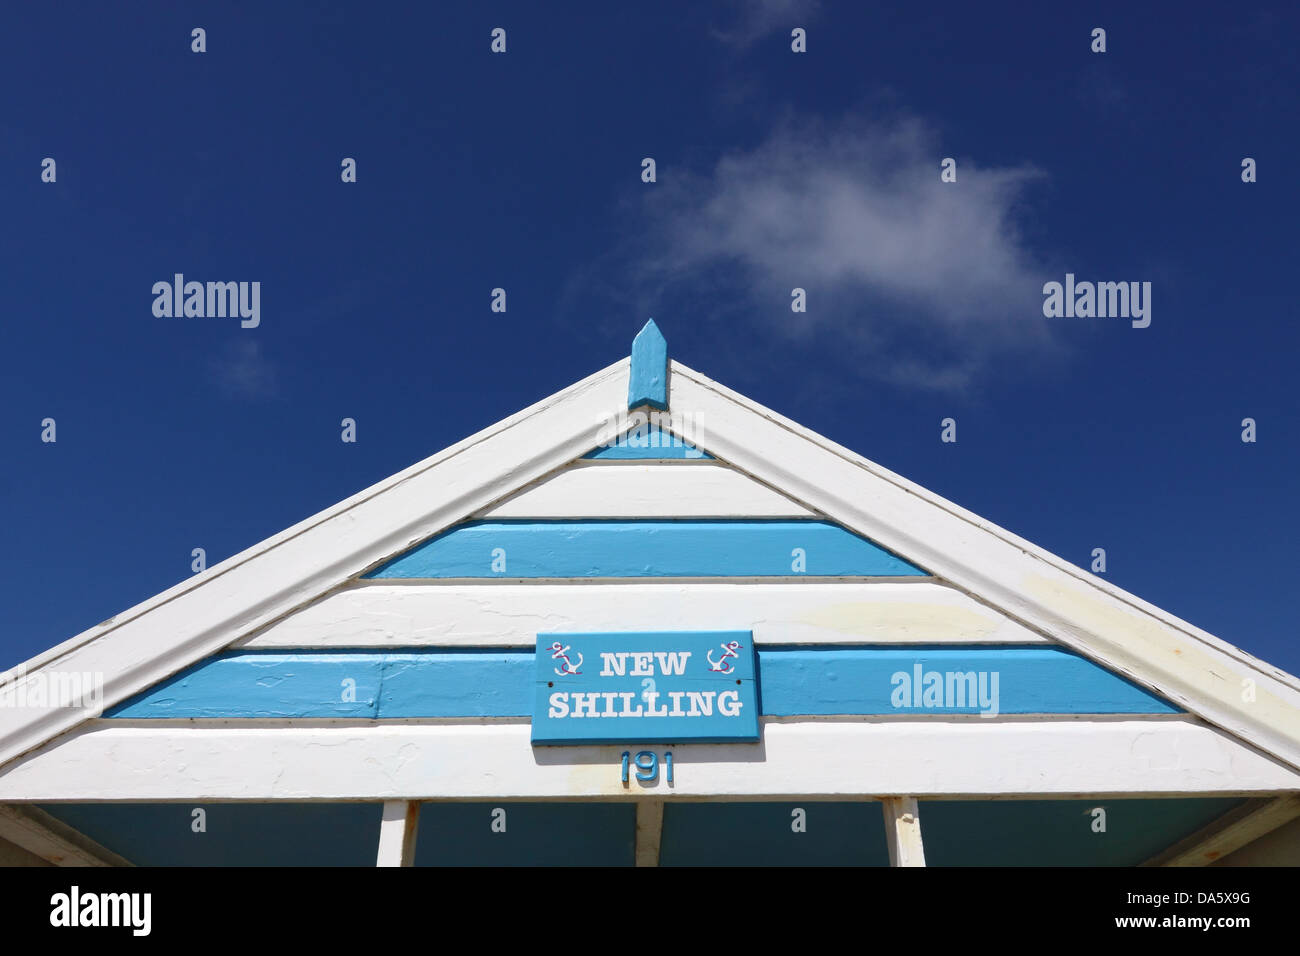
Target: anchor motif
722	665
561	652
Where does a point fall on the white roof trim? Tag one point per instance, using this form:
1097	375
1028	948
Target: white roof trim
207	612
203	614
1040	590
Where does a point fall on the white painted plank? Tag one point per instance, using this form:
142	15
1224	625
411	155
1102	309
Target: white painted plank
649	831
506	615
1230	832
1196	670
903	831
647	491
156	760
397	833
53	840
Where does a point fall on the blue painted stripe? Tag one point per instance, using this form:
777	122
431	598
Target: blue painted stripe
236	834
645	549
256	684
1005	680
458	684
792	681
648	378
647	442
433	683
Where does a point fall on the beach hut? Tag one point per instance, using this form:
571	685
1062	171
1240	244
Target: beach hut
648	621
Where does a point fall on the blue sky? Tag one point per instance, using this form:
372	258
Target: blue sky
775	170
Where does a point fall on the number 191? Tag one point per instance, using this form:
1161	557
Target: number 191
647	766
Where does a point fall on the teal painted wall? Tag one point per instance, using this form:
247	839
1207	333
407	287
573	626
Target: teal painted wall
237	834
847	833
763	834
1059	832
535	834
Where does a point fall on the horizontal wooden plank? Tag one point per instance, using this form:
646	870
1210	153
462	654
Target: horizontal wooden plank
266	685
987	681
648	491
359	684
644	549
511	615
110	760
792	682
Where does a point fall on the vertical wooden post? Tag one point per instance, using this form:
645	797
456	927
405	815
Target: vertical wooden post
397	833
649	831
903	831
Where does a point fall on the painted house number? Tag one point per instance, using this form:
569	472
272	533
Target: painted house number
647	765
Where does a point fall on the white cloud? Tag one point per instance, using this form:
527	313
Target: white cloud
757	18
242	370
935	276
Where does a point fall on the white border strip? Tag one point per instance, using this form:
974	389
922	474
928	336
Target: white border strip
838	759
511	615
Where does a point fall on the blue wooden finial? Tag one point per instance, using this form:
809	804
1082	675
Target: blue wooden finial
648	383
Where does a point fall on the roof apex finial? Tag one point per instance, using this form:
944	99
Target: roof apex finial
648	380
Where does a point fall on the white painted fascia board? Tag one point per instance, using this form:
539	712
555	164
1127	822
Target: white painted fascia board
1152	647
202	614
115	760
